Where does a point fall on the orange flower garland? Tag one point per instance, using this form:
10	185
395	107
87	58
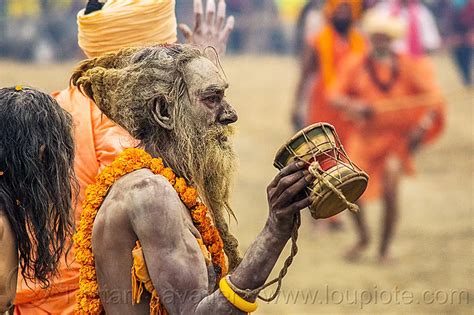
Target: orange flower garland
88	300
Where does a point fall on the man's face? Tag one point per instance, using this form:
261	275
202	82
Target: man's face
202	147
342	17
381	44
206	89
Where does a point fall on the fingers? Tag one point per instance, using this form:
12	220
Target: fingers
229	26
186	31
287	170
198	12
287	181
210	13
289	194
300	205
221	8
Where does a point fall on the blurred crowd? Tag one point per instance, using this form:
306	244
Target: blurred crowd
45	30
445	25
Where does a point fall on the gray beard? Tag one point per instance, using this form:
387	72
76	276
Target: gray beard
195	153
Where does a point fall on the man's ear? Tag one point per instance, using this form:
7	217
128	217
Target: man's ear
161	111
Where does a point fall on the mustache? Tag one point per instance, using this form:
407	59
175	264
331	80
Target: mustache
220	132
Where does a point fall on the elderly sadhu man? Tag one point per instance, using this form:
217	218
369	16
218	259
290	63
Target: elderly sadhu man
159	210
104	29
396	107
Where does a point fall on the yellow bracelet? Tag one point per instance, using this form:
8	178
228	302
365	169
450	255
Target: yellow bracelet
235	299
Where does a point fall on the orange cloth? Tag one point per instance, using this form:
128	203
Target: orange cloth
330	6
331	49
126	23
387	133
98	141
141	278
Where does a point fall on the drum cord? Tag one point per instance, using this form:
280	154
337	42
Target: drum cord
289	260
314	169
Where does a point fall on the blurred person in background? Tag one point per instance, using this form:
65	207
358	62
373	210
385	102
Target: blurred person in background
22	19
456	22
320	66
368	4
322	59
38	30
36	188
396	107
309	22
422	36
461	38
102	29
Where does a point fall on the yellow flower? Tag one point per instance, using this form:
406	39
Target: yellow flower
168	174
180	185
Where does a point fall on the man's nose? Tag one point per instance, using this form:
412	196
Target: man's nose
228	115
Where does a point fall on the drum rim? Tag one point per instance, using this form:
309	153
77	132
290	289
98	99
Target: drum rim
298	135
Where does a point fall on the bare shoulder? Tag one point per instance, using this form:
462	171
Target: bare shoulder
146	191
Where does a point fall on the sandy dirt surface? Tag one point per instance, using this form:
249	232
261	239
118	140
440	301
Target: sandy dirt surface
433	271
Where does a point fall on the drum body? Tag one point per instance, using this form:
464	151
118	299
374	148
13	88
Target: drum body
319	146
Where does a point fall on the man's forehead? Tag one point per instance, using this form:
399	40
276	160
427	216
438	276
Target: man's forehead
201	74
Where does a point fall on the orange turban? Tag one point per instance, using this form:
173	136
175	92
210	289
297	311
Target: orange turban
126	23
331	6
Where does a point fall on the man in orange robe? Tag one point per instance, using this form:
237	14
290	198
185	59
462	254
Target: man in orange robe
395	106
323	58
321	64
102	29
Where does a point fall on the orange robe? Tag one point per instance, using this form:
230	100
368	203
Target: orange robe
398	112
98	141
331	50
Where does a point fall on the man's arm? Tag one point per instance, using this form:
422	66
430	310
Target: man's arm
308	68
343	94
174	259
423	83
8	264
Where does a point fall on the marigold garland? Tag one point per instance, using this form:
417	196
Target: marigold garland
88	300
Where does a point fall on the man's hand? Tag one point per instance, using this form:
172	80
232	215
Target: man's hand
356	110
360	112
415	139
286	196
209	30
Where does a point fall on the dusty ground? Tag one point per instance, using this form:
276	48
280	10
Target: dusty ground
434	243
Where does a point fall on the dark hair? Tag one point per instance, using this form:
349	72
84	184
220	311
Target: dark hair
37	178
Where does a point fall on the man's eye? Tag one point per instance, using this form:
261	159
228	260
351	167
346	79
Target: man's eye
214	99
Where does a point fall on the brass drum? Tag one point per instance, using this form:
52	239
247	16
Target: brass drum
339	182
